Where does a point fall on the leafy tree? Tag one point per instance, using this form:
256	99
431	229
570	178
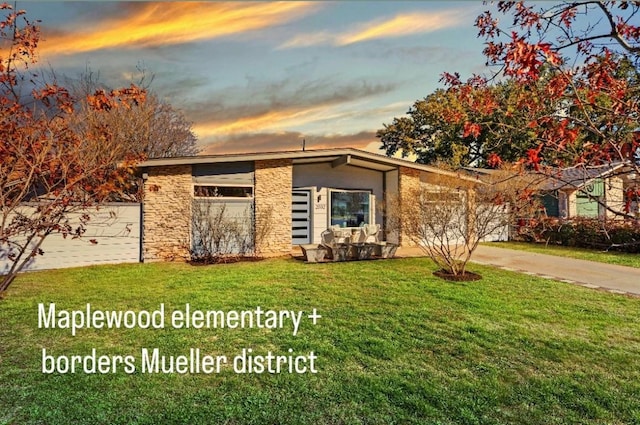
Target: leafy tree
587	53
154	129
47	169
446	127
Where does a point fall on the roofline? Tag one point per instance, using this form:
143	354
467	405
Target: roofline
572	185
306	154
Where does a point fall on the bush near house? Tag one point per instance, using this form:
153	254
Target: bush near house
623	236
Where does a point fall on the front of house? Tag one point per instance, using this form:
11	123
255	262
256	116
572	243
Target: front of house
290	197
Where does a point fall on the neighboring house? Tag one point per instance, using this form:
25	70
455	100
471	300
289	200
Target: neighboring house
304	192
577	191
590	192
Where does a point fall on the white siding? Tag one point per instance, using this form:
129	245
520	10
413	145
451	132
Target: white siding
227	210
498	226
320	178
115	228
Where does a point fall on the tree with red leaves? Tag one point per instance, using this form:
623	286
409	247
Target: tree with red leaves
46	170
573	72
480	124
588	55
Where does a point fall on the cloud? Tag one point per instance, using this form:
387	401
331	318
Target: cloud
157	24
269	142
310	39
271	120
279	106
398	26
403	25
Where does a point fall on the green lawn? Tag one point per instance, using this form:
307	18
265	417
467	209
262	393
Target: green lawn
394	345
611	257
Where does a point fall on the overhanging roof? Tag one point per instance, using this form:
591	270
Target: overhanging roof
576	177
338	157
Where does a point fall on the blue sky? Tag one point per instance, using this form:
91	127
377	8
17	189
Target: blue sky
263	76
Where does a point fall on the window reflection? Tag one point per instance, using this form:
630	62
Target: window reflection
350	209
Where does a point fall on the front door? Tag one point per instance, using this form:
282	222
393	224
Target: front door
301	217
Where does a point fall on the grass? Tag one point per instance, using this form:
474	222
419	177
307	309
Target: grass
611	257
395	345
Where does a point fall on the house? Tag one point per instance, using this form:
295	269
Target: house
590	192
292	196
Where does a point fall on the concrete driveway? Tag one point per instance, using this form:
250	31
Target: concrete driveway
618	279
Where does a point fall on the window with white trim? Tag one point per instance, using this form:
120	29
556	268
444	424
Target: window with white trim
350	208
222	191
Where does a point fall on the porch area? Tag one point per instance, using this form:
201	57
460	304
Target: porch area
344	244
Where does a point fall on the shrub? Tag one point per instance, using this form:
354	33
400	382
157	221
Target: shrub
220	235
617	235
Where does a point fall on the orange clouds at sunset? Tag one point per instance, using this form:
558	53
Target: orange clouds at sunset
402	25
398	26
156	24
274	120
257	76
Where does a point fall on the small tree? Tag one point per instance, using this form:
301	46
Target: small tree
447	219
47	170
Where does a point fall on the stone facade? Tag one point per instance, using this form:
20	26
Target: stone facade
167	213
614	196
272	197
572	204
408	184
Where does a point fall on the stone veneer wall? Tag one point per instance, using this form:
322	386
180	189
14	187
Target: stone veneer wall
614	196
409	181
272	197
167	213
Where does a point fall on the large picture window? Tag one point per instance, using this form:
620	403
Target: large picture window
350	208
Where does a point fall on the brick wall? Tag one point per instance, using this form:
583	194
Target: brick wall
167	213
272	196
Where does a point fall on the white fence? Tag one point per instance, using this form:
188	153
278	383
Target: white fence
115	228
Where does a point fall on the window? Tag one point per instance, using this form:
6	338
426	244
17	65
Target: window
442	196
207	191
350	208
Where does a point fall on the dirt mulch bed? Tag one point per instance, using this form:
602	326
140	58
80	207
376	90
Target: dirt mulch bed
224	260
466	277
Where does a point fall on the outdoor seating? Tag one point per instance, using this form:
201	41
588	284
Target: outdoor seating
340	234
385	249
342	244
336	251
313	253
371	232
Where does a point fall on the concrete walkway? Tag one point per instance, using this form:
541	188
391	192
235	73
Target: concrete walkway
617	279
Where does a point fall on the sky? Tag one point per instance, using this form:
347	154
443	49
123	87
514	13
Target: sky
255	77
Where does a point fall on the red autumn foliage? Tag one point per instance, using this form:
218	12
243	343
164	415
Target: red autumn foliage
581	60
494	160
471	129
45	163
